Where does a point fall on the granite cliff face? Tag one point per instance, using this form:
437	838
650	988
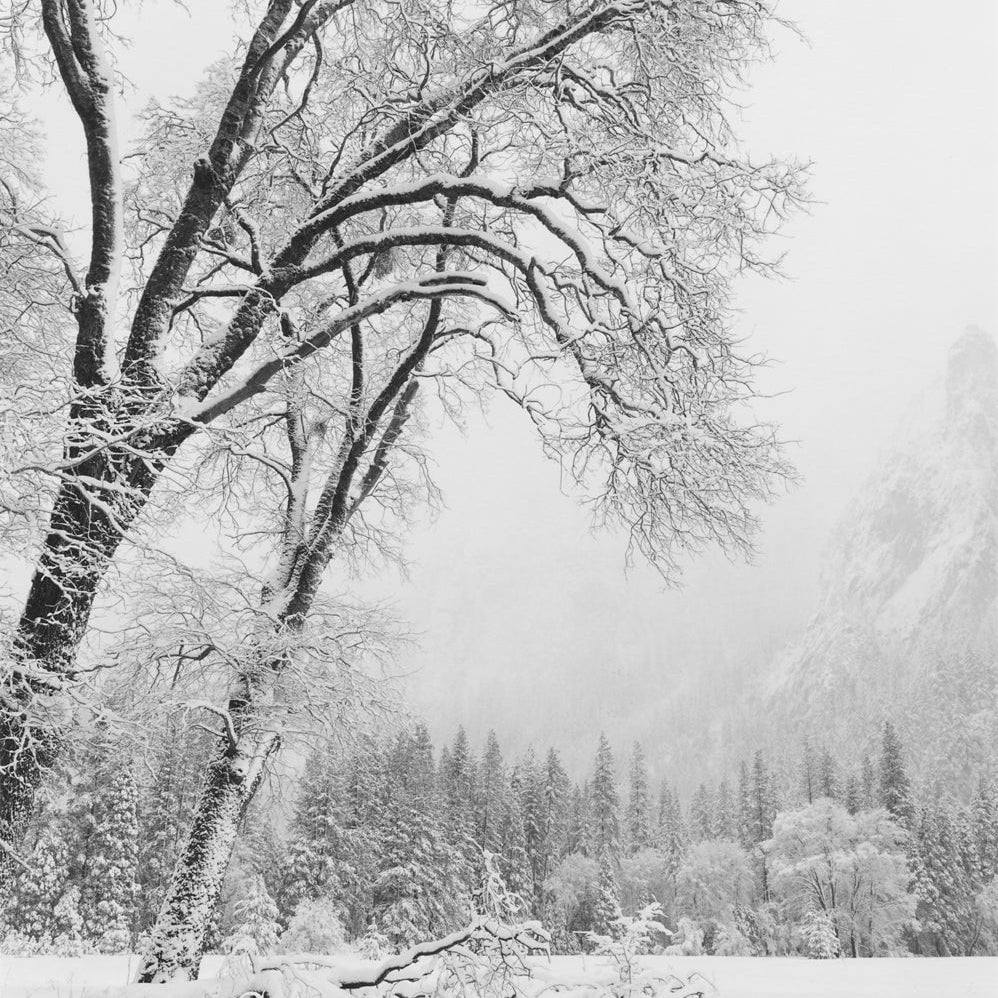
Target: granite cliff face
907	620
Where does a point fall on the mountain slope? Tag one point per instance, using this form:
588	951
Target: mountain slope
907	620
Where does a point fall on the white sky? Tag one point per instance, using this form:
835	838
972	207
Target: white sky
527	619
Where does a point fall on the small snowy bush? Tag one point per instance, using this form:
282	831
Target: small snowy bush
316	927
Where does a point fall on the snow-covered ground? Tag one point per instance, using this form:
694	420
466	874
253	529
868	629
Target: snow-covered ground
733	977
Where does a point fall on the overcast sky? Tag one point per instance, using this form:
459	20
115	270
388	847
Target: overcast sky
524	616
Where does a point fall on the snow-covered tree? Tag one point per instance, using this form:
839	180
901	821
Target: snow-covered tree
255	920
605	802
895	787
638	815
948	878
828	776
315	927
491	801
701	821
819	940
714	880
606	906
108	900
725	814
288	247
31	907
851	867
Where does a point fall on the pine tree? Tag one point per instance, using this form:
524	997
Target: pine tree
853	794
606	910
946	877
808	774
31	909
255	920
531	790
725	818
985	821
819	937
459	783
869	785
745	808
828	776
491	798
516	866
895	788
557	802
316	840
638	803
701	822
762	802
672	835
108	898
579	837
422	884
605	802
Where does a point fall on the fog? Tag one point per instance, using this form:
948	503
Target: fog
522	615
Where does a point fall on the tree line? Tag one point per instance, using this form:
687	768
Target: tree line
385	844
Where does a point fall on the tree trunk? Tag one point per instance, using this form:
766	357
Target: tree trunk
82	539
178	938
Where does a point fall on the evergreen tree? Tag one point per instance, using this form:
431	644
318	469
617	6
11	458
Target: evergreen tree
316	842
869	785
108	897
828	776
579	837
255	920
421	887
853	794
606	909
701	815
808	774
491	798
745	808
639	834
516	865
458	777
818	936
725	817
531	790
672	835
762	802
31	909
605	808
984	809
557	801
946	878
895	788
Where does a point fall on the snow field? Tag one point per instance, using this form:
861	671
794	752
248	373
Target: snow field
730	977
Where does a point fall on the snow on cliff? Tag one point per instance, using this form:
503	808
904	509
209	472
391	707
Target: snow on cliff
911	574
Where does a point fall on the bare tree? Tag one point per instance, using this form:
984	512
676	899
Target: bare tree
543	200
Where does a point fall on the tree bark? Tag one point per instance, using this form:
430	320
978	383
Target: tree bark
178	937
82	539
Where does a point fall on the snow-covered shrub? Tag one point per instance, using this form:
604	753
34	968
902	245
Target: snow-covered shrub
315	927
255	930
687	939
622	951
730	941
19	944
819	940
